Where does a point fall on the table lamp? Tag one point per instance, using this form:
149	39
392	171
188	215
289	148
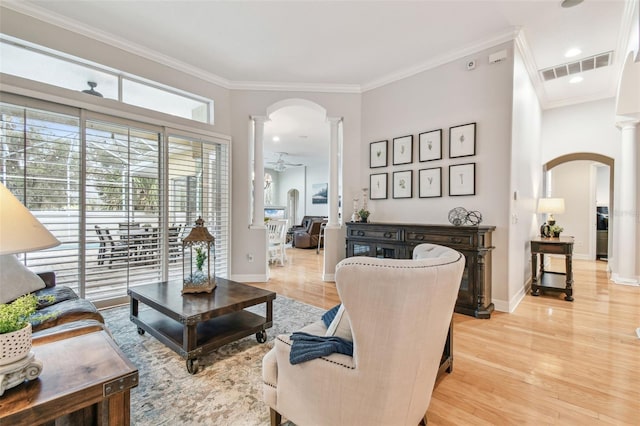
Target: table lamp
20	232
550	206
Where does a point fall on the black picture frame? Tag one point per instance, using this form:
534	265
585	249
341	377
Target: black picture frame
430	146
378	154
462	179
403	184
430	182
378	186
403	150
462	140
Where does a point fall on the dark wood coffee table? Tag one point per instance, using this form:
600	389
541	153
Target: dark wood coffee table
193	325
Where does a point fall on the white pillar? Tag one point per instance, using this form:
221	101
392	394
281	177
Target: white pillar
258	171
333	172
626	215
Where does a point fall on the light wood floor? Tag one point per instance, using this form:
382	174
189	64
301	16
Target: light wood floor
549	362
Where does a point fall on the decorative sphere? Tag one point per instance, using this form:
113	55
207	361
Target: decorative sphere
474	218
458	216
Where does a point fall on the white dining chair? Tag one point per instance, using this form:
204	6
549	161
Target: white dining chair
277	236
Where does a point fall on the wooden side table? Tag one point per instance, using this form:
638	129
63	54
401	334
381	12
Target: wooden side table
86	379
549	280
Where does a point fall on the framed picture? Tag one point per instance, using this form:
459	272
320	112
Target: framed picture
320	192
430	145
462	140
462	179
378	186
403	150
402	184
430	182
378	154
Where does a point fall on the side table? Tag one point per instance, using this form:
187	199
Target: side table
549	280
85	379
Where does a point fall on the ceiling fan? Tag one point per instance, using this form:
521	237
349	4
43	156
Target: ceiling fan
281	165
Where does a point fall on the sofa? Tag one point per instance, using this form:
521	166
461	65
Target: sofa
306	235
64	314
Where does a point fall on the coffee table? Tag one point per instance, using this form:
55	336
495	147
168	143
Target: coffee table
193	325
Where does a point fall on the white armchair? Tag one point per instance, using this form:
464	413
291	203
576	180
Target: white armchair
398	313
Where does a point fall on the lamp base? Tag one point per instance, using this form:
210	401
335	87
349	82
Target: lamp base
27	368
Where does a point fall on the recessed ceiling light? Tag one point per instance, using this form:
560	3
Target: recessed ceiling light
576	79
276	138
570	3
572	52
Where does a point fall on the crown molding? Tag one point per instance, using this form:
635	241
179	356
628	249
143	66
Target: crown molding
295	87
112	40
579	100
442	59
532	68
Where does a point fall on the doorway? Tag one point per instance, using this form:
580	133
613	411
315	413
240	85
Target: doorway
585	181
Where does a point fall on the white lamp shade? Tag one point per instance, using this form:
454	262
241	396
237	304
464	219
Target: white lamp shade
20	231
551	205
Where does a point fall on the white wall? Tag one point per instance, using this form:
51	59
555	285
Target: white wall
586	127
438	99
316	175
526	179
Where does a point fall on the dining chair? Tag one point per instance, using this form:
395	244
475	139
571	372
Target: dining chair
277	238
110	249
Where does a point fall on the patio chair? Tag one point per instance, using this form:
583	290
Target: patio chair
175	247
110	249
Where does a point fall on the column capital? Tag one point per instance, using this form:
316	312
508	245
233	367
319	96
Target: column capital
626	122
260	118
334	119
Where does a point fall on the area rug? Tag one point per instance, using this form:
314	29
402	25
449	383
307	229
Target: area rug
227	390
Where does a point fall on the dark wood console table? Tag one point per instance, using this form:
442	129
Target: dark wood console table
398	241
549	280
85	379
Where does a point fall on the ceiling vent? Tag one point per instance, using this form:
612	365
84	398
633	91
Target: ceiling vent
581	65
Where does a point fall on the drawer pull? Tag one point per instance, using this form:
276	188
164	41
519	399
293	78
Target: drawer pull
456	240
388	234
420	237
360	233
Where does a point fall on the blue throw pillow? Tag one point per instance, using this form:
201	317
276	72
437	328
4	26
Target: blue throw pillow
330	315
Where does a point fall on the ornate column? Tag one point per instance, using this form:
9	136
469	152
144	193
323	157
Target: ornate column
626	214
258	171
333	171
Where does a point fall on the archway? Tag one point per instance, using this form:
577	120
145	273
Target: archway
289	155
596	158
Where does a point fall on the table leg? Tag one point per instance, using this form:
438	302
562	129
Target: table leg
569	282
535	291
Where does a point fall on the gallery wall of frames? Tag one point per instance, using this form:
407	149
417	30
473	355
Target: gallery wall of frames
428	146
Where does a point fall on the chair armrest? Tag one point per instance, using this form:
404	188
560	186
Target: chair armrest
49	278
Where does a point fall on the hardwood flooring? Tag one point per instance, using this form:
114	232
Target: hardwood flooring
549	362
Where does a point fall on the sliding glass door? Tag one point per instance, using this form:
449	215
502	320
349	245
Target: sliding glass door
122	206
119	195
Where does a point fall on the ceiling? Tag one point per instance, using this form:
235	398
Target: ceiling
349	46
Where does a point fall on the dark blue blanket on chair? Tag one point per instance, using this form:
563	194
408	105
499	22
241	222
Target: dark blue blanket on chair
306	347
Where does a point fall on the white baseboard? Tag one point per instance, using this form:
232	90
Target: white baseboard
512	304
250	278
329	278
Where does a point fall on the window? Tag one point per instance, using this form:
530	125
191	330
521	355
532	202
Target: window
36	63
